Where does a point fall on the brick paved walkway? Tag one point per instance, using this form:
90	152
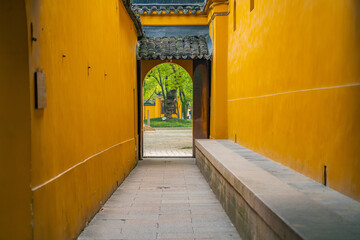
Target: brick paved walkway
168	142
162	199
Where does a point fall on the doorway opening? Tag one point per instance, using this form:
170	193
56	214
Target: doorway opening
167	112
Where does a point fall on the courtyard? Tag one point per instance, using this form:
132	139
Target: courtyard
168	142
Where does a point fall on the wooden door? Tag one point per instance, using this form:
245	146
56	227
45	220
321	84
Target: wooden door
201	100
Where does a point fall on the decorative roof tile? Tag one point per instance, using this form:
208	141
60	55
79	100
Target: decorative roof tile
167	6
159	9
189	47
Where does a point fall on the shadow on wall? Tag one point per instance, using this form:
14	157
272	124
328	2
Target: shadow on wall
15	130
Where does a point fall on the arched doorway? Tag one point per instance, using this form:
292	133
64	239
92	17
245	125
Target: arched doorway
199	71
167	112
190	52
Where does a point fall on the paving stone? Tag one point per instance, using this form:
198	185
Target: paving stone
175	238
213	229
161	206
135	230
110	223
175	229
217	236
176	235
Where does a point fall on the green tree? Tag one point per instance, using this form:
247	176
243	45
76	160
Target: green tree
151	90
186	96
169	81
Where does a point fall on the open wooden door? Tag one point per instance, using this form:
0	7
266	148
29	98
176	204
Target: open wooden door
201	100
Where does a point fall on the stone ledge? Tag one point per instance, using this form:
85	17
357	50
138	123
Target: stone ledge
265	199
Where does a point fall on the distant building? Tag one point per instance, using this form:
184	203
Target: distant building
156	109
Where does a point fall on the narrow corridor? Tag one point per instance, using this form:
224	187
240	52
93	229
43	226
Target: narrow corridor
162	199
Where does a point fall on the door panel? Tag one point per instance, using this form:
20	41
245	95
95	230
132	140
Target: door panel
140	109
201	99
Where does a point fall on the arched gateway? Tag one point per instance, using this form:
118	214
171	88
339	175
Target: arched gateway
178	45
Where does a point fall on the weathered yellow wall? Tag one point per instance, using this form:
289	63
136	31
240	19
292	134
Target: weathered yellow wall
83	143
15	200
294	86
218	102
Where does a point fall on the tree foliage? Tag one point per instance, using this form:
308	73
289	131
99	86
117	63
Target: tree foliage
169	81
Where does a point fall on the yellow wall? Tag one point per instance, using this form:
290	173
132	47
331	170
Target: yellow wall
83	143
152	111
294	86
218	101
15	200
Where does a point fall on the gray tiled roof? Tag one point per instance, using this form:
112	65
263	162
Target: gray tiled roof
167	9
190	47
158	6
158	2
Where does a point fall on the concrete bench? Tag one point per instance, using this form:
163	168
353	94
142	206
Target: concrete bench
266	200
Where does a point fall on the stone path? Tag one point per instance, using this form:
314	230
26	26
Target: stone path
168	142
168	152
162	199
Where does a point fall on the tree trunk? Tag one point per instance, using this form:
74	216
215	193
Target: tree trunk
170	103
184	110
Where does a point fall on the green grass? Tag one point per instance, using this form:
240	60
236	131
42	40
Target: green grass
175	122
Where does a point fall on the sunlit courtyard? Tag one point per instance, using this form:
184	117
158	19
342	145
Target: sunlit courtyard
170	142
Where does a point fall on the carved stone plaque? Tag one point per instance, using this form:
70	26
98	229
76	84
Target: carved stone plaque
40	90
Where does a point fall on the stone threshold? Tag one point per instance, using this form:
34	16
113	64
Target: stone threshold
266	200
